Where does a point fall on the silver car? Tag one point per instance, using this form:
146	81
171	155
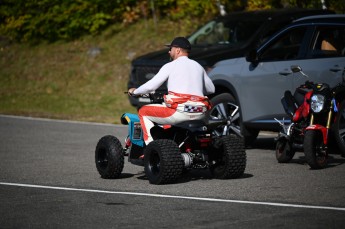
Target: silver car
255	84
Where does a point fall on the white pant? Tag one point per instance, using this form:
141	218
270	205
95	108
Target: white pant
160	114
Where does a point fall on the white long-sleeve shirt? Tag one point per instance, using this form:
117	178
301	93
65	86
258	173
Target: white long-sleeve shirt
184	76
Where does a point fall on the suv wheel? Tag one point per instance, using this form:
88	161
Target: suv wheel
223	105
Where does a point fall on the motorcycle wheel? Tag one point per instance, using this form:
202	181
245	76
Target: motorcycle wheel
163	161
229	159
223	105
109	157
339	128
313	144
284	151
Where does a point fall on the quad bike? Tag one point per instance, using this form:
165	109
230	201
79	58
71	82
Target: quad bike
174	150
315	109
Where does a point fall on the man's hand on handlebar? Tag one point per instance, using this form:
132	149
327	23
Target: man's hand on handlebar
130	91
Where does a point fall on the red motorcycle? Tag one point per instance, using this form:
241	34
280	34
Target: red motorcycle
313	110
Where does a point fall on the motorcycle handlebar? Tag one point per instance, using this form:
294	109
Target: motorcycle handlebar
309	84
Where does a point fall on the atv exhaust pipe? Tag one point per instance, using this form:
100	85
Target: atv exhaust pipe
188	159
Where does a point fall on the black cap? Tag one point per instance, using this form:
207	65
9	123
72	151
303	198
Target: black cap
180	42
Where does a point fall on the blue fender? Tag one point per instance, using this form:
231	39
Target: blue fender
135	132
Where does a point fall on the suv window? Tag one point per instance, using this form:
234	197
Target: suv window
328	42
225	32
271	31
285	47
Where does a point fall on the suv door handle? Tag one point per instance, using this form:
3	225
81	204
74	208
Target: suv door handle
335	68
285	72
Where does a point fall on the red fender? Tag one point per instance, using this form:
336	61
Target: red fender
323	130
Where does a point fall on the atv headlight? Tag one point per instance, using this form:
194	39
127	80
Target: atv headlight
317	102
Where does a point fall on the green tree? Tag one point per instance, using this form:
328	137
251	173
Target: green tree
51	20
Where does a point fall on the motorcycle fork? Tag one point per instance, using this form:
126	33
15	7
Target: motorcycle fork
329	119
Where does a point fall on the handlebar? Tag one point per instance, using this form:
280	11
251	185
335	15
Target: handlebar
147	95
154	97
309	84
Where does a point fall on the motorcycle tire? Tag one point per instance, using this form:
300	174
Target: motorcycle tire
313	144
229	159
339	128
284	151
109	157
163	162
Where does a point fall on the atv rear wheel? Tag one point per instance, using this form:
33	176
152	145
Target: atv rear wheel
229	158
284	151
163	161
109	157
313	150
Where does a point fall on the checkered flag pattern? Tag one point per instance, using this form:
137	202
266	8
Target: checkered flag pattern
193	109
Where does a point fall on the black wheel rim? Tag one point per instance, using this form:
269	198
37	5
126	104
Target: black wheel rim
223	111
280	148
102	158
154	163
220	160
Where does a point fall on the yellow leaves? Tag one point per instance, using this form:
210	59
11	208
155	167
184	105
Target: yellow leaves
259	4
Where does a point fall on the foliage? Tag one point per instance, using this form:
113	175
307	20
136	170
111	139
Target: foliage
337	5
259	4
52	20
84	78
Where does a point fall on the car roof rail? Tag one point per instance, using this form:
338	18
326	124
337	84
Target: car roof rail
321	16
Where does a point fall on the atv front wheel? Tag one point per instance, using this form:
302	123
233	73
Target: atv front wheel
313	149
109	157
163	161
284	151
228	159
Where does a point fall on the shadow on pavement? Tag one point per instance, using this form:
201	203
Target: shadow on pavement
266	142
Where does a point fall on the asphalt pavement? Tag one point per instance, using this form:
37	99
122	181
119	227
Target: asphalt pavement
48	179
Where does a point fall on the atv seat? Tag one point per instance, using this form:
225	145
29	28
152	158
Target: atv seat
193	125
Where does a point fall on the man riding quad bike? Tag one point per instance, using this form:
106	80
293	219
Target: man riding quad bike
176	148
169	150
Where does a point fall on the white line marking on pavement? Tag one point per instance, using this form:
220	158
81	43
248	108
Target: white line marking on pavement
176	197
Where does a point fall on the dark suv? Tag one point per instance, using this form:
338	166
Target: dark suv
225	37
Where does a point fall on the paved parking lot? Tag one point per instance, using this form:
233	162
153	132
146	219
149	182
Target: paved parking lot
48	179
